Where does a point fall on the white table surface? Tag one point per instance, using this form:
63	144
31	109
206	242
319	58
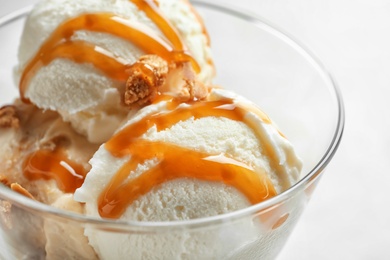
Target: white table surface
348	216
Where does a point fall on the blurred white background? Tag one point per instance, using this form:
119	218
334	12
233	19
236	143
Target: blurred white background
349	214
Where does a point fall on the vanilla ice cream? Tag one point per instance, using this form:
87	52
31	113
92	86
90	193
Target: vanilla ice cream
63	35
43	158
42	153
184	162
118	119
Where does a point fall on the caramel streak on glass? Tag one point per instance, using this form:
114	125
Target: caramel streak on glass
48	164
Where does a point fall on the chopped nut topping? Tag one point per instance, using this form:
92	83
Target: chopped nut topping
8	117
181	82
19	189
151	75
6	206
15	187
147	75
4	180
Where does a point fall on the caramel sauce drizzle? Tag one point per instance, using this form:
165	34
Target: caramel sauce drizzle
121	192
60	41
48	164
150	8
175	161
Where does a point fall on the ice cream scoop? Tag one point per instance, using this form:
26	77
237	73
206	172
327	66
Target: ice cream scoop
41	152
119	120
43	158
74	55
179	161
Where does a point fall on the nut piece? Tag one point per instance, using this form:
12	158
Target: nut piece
181	82
8	117
152	75
15	187
4	180
19	189
147	75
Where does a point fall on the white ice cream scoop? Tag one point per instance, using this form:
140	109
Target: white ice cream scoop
185	161
73	55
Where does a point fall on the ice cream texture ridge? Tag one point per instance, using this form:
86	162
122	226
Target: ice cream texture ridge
118	118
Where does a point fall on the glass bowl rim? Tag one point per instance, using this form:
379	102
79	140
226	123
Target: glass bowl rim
121	225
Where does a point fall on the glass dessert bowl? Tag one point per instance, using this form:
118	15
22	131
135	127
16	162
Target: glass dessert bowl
255	60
